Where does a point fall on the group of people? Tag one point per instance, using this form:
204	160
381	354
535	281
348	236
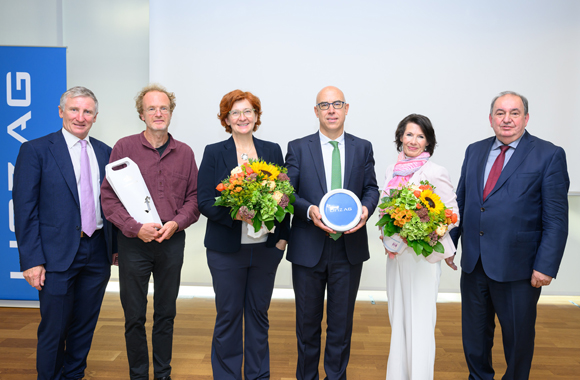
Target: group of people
71	226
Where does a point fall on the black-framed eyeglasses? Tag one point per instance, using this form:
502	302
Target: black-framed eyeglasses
336	105
248	112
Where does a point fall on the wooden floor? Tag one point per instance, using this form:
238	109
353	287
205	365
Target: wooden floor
557	354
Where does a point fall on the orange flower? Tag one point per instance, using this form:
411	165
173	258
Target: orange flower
418	206
417	193
221	187
454	218
448	213
249	169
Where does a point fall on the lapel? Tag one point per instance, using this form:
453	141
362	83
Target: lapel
59	151
262	150
349	149
317	160
481	161
525	146
229	155
102	158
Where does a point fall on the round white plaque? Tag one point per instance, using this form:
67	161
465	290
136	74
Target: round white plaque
340	209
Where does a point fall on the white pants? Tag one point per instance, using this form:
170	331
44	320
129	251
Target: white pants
412	286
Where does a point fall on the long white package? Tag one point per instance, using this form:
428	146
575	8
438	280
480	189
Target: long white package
129	185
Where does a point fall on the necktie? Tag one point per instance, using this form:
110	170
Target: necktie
88	216
336	177
495	171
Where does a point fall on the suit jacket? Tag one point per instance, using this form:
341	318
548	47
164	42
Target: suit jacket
223	234
438	176
47	218
306	171
523	223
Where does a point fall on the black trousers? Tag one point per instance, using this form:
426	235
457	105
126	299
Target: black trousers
137	261
335	274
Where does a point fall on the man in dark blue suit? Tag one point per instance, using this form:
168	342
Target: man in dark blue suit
513	202
319	262
65	243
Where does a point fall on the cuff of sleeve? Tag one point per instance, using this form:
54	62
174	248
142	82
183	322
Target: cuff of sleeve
308	213
131	229
181	221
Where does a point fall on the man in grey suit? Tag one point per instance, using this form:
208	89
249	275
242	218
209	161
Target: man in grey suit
319	262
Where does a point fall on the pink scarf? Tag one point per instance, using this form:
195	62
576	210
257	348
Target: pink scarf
404	170
402	173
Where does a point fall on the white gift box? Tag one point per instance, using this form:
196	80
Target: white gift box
129	185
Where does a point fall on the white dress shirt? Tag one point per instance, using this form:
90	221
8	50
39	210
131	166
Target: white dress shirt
327	150
74	149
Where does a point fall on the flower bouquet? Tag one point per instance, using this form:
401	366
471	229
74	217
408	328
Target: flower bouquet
417	214
258	191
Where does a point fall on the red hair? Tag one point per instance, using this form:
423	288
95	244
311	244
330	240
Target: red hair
235	96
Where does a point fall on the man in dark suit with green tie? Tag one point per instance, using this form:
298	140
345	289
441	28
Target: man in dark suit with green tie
322	260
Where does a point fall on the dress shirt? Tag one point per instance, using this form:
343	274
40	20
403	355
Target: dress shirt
171	179
494	153
327	150
74	149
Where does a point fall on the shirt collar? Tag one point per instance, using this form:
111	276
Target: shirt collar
326	140
513	144
71	139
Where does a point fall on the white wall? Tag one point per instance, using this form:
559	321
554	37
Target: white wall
444	59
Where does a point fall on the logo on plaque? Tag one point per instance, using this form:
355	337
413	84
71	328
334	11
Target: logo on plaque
340	209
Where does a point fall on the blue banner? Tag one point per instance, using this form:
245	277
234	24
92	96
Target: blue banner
32	79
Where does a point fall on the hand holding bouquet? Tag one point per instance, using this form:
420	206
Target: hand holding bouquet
259	192
417	214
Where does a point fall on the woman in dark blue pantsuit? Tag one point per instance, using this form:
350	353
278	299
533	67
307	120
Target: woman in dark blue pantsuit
243	268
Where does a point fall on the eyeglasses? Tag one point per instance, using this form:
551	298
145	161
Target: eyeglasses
336	105
152	110
248	112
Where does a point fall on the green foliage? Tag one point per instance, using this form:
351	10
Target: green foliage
259	194
399	216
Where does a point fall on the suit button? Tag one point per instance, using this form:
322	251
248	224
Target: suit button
482	209
480	233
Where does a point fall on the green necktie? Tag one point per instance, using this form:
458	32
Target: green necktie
336	177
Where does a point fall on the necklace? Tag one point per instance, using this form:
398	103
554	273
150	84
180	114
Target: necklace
244	155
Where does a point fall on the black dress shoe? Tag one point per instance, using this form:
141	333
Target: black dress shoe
163	378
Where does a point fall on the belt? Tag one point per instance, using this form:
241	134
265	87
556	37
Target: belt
84	235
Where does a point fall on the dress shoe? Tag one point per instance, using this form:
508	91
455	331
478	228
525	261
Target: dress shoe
163	378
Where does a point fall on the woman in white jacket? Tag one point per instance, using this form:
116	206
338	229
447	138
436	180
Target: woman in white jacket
412	280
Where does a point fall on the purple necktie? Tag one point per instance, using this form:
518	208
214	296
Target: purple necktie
495	171
88	216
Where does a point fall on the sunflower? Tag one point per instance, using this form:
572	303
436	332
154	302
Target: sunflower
269	170
431	201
